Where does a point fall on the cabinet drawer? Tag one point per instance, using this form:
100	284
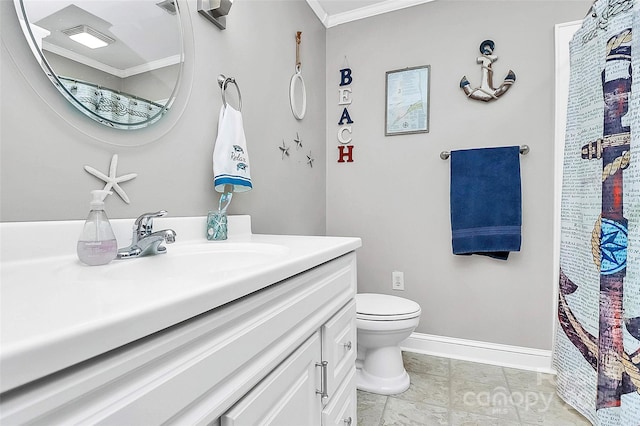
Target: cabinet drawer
343	408
339	346
287	396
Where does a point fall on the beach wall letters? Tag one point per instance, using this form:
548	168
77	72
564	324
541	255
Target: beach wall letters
345	149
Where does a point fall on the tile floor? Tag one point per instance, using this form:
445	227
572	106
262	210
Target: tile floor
460	393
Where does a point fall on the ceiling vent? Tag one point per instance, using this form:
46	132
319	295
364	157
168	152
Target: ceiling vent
168	6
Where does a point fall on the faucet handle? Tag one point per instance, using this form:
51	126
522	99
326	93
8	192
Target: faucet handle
144	223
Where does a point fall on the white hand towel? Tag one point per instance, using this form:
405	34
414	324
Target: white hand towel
230	156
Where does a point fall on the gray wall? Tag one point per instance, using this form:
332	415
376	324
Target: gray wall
154	85
45	143
150	85
68	68
395	193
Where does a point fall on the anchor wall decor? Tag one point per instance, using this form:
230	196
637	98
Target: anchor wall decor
486	92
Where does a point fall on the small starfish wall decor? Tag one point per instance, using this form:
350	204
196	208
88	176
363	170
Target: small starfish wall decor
113	181
284	149
298	141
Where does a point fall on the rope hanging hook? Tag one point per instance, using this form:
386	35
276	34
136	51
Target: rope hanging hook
298	39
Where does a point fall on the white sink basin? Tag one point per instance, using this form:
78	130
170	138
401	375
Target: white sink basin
203	261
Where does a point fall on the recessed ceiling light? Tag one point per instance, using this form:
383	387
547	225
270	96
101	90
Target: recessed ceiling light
87	36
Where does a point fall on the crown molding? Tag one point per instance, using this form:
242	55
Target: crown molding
121	73
319	11
364	12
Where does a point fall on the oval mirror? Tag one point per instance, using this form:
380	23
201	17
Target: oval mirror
117	61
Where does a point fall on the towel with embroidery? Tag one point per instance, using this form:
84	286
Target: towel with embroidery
230	156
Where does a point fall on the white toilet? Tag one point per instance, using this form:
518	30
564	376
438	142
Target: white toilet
383	322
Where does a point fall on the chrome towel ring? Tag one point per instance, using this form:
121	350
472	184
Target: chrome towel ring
223	82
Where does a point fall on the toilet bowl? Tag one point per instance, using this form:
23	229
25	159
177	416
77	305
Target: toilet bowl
382	323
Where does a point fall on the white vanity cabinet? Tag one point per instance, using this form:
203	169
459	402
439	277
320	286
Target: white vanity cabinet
250	361
319	373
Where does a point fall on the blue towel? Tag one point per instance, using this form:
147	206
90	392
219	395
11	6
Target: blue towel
486	207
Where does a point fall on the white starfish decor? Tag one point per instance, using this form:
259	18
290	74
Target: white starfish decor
112	181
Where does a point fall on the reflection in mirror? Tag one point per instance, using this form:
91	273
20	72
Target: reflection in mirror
117	61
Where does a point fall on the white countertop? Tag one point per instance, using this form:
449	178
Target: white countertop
56	312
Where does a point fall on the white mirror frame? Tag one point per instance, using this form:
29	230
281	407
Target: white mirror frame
34	42
26	64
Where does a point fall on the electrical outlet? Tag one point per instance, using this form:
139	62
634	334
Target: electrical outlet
397	280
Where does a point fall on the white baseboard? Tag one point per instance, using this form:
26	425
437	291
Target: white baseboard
483	352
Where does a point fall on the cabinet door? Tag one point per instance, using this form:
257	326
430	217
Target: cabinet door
339	346
342	410
287	396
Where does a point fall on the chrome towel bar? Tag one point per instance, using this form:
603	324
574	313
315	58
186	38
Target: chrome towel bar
524	150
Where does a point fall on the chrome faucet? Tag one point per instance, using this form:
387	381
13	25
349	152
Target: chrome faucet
144	240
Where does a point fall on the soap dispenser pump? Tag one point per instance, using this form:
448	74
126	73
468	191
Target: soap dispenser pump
97	244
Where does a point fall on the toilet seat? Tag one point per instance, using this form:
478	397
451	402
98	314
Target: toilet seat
383	307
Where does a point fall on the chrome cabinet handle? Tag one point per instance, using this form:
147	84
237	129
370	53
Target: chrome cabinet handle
347	421
348	345
323	385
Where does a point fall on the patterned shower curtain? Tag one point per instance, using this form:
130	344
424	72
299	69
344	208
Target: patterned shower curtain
118	107
597	346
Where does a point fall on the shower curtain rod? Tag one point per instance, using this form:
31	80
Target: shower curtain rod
524	150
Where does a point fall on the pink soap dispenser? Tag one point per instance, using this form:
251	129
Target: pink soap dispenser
97	244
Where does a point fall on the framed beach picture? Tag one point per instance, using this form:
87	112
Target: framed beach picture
407	101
